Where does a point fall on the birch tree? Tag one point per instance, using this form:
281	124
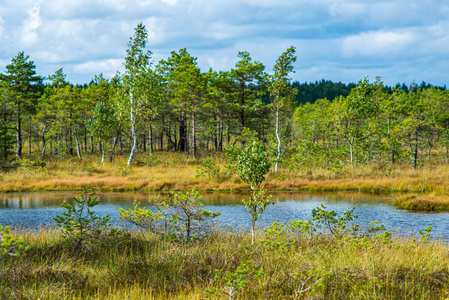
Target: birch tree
140	82
281	92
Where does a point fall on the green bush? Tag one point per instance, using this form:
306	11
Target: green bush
80	225
180	214
208	167
155	220
9	246
232	283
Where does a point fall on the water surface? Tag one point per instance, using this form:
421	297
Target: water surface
36	209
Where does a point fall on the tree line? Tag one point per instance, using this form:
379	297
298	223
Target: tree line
374	125
174	106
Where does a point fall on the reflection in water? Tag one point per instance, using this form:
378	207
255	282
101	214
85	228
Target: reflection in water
54	199
34	209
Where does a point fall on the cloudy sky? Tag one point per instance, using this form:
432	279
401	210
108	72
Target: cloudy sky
341	40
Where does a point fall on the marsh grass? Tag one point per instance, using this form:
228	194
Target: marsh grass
153	267
164	171
169	170
416	202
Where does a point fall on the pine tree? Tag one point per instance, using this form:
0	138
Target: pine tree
23	87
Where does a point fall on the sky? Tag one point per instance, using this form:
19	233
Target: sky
403	41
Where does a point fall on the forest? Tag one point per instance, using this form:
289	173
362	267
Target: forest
174	106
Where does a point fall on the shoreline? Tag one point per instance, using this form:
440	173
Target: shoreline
426	189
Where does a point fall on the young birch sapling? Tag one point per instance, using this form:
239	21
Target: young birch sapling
253	163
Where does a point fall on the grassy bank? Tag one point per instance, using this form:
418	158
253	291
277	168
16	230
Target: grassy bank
152	267
429	202
176	171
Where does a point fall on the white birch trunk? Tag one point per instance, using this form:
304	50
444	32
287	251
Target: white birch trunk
78	152
133	131
102	153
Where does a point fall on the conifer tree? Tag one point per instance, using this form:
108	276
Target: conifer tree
23	91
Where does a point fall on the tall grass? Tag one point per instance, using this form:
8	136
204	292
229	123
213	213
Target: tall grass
176	171
163	171
152	267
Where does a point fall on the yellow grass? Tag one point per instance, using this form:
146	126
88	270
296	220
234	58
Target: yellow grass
177	171
152	267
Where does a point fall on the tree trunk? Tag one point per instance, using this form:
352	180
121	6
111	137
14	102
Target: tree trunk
85	139
114	143
253	230
44	145
120	143
220	139
133	133
78	150
242	110
102	153
352	151
29	135
278	138
19	131
415	156
175	144
193	132
182	145
229	133
70	134
162	134
216	132
150	136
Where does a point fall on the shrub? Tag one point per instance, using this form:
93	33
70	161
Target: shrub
337	226
208	167
155	220
9	246
181	214
234	282
80	225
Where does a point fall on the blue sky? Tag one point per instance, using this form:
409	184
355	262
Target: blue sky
341	40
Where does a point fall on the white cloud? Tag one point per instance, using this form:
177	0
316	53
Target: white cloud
107	66
170	2
377	43
347	9
31	24
1	27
